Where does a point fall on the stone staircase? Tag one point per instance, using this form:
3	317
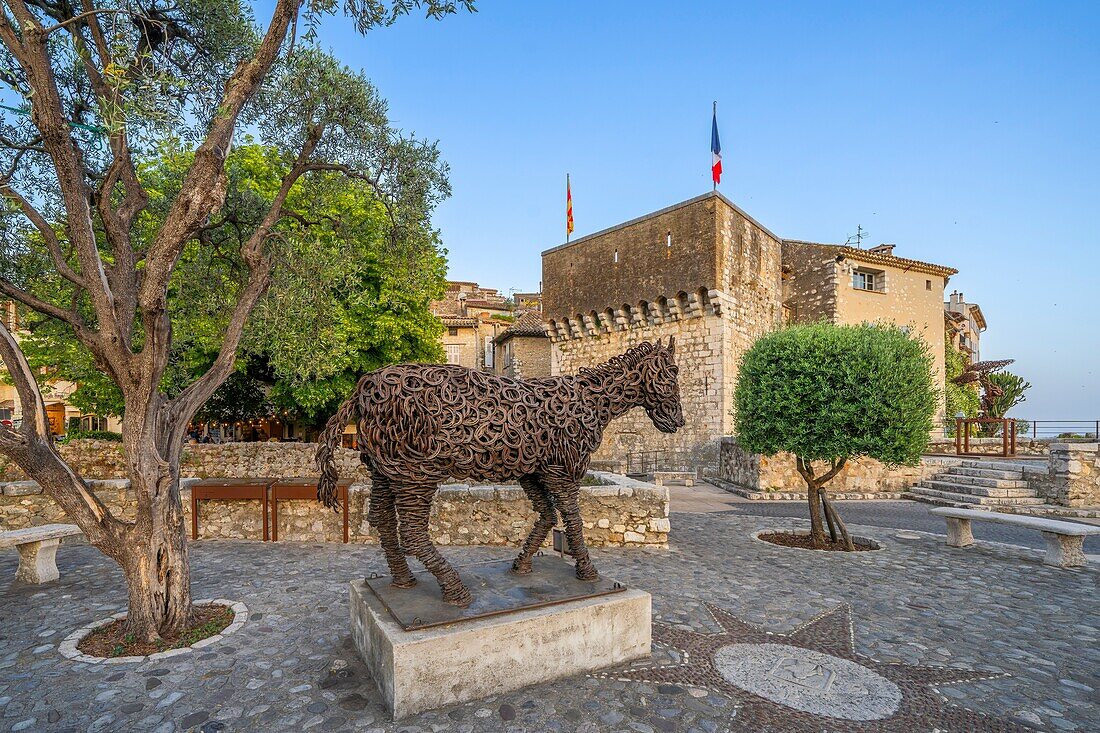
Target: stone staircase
995	485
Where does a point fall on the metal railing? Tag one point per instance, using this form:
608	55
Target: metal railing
646	462
964	427
1053	430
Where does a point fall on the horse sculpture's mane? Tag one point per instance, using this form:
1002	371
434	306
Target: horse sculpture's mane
621	362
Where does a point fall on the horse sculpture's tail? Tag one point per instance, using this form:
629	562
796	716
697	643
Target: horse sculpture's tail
326	461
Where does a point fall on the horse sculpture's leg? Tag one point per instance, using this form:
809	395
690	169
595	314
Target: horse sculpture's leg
413	505
544	505
383	517
566	492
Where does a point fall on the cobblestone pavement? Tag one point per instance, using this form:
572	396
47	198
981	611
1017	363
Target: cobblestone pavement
903	515
292	667
701	498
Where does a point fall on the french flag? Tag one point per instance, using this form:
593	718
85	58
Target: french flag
715	149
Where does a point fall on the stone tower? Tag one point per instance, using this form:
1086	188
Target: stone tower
703	271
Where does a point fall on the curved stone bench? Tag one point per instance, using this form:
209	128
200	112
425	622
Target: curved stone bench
38	550
1065	540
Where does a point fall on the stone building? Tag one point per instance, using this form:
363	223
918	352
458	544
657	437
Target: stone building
847	285
472	317
707	273
964	323
703	271
523	349
62	415
525	302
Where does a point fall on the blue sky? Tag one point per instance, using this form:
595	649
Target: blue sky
964	133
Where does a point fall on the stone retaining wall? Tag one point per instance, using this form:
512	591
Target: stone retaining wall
620	513
1072	477
103	459
992	446
777	476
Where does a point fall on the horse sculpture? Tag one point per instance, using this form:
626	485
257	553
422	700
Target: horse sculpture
419	424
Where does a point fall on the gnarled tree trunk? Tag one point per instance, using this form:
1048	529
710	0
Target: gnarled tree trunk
155	563
819	503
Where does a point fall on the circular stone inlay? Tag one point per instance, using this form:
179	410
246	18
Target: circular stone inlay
809	681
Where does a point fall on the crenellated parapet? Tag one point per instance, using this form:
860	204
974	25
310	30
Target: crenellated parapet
645	313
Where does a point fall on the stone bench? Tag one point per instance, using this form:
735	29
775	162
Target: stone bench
1065	540
663	478
38	550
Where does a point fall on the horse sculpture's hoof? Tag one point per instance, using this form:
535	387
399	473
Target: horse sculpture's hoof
403	582
521	568
587	573
461	597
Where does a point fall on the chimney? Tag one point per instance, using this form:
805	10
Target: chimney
883	249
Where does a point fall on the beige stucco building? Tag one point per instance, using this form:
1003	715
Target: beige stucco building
62	415
847	285
964	324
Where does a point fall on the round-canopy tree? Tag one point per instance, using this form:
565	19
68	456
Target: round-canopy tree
100	89
830	393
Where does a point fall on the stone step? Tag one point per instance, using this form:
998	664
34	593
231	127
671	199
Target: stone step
941	484
993	483
1038	510
1008	466
974	499
938	501
986	473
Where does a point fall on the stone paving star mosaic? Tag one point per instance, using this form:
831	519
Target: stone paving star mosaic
811	680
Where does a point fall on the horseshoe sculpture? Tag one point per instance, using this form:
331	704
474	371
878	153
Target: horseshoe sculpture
419	424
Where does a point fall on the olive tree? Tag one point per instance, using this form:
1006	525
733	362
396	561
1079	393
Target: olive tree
828	394
100	87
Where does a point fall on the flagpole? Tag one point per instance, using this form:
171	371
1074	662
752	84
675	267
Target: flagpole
714	116
568	192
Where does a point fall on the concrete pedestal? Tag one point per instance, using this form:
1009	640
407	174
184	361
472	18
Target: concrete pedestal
443	665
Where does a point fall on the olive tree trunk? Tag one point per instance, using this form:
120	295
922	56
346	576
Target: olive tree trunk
154	558
820	505
127	293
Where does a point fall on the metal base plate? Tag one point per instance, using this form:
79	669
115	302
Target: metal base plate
496	590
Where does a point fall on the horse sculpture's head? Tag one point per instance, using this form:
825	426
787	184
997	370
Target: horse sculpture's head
660	388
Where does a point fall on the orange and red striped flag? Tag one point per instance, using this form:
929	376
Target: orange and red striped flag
568	207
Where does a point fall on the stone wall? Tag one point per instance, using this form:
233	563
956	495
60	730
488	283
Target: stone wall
658	254
524	357
1073	475
701	378
102	459
991	446
810	287
619	513
462	335
777	476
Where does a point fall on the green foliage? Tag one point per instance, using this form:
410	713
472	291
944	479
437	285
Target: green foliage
1014	388
350	293
825	392
356	258
958	397
91	435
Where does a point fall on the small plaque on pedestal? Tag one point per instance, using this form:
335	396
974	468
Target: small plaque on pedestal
520	630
